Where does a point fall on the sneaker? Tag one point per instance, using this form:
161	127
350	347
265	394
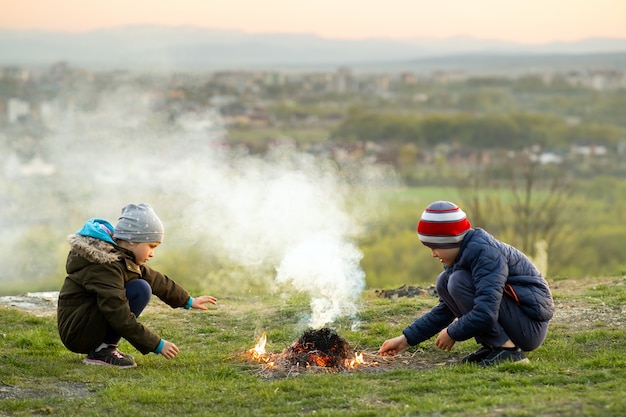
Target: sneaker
110	356
126	355
478	355
500	355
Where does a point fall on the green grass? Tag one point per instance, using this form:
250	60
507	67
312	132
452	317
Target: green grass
577	372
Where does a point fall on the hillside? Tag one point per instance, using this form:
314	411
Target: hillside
579	369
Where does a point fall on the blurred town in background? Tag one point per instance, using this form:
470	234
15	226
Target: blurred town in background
260	107
535	150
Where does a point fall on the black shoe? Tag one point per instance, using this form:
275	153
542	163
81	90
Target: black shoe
478	355
110	356
126	355
501	355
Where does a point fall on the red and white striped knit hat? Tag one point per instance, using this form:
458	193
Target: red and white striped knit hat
442	225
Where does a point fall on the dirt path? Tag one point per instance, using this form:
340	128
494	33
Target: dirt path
577	311
578	286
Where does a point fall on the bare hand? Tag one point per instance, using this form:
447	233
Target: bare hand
199	302
170	350
393	346
444	341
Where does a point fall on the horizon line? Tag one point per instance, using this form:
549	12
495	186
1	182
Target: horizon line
324	37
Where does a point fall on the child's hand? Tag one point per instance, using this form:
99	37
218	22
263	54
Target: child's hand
393	346
198	302
444	341
169	350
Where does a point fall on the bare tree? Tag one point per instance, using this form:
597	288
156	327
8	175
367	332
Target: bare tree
519	198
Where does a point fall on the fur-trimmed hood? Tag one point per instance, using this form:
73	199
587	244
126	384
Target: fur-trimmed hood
93	250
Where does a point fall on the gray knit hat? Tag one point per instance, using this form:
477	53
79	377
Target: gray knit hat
139	223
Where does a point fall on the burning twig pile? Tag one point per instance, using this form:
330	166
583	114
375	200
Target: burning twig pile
322	349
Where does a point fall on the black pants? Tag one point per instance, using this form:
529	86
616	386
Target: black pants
457	292
138	293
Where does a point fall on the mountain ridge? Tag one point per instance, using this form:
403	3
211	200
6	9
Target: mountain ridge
150	46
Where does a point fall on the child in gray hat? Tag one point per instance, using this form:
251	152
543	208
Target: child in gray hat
108	286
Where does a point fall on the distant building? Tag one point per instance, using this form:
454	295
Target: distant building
17	109
408	78
445	77
14	73
345	80
589	149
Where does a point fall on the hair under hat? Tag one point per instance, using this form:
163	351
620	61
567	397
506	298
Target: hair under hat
139	223
443	225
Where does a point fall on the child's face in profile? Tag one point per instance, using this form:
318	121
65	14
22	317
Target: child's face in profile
143	251
446	256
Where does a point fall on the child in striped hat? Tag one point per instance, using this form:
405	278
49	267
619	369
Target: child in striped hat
488	290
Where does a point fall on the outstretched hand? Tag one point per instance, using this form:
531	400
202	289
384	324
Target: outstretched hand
393	346
198	302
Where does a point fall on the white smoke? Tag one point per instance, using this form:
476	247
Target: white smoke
327	268
286	210
258	208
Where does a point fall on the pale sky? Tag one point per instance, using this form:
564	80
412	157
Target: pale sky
524	21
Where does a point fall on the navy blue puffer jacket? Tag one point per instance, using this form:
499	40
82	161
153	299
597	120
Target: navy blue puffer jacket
492	264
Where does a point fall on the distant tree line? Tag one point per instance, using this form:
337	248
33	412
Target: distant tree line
514	131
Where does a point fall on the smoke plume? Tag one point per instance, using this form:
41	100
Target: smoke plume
286	211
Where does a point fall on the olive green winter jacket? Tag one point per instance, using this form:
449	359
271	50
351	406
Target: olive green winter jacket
93	296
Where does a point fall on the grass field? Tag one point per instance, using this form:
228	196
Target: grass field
579	371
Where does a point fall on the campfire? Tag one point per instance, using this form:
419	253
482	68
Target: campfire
316	349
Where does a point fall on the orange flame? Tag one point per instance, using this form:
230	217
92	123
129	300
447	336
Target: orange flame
259	354
321	360
258	351
358	360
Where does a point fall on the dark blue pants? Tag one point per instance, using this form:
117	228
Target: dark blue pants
457	292
138	293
